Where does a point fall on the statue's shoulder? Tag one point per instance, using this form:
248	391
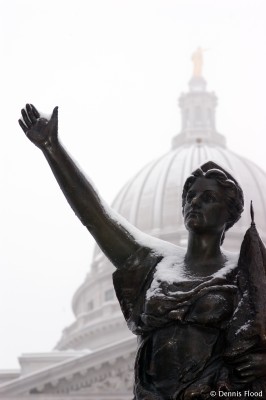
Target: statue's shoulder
230	264
231	257
160	247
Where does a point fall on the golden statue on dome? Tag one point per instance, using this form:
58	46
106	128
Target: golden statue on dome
197	60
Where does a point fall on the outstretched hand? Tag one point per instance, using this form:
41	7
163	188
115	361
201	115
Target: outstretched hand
41	131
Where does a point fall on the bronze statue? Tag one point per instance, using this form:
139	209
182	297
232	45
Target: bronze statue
200	312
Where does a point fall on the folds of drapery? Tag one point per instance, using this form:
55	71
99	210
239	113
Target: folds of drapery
246	332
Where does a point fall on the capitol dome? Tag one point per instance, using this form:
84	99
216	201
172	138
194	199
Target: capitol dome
151	201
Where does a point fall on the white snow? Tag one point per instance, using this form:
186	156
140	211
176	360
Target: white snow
243	327
159	246
171	269
231	263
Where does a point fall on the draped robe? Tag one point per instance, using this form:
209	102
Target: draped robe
189	327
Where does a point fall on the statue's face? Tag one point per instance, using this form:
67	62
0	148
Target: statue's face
205	209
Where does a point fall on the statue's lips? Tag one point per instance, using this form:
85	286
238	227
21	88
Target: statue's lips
193	213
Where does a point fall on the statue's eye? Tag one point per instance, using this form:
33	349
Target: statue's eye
209	197
190	196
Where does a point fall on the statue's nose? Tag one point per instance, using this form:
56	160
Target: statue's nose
196	201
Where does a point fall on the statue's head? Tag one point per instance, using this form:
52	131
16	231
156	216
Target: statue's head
229	202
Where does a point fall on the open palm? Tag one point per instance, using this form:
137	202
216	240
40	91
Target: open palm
41	131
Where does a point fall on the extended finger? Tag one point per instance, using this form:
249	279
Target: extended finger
23	126
26	118
242	367
246	374
240	360
245	380
35	111
31	115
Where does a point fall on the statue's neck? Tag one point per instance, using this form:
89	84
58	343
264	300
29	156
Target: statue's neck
204	256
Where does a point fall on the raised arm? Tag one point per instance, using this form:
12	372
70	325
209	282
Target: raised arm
113	238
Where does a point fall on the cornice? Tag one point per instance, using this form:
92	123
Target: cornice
82	366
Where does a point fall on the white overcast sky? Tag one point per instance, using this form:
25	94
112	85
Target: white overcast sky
115	68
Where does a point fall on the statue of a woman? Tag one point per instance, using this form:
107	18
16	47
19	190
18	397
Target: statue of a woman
197	60
185	305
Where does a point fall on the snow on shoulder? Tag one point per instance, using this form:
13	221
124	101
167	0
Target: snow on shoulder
159	246
230	264
172	270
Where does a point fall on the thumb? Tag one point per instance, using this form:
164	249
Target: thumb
54	116
53	123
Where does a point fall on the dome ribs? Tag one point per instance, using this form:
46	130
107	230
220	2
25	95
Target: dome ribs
134	216
251	194
159	199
